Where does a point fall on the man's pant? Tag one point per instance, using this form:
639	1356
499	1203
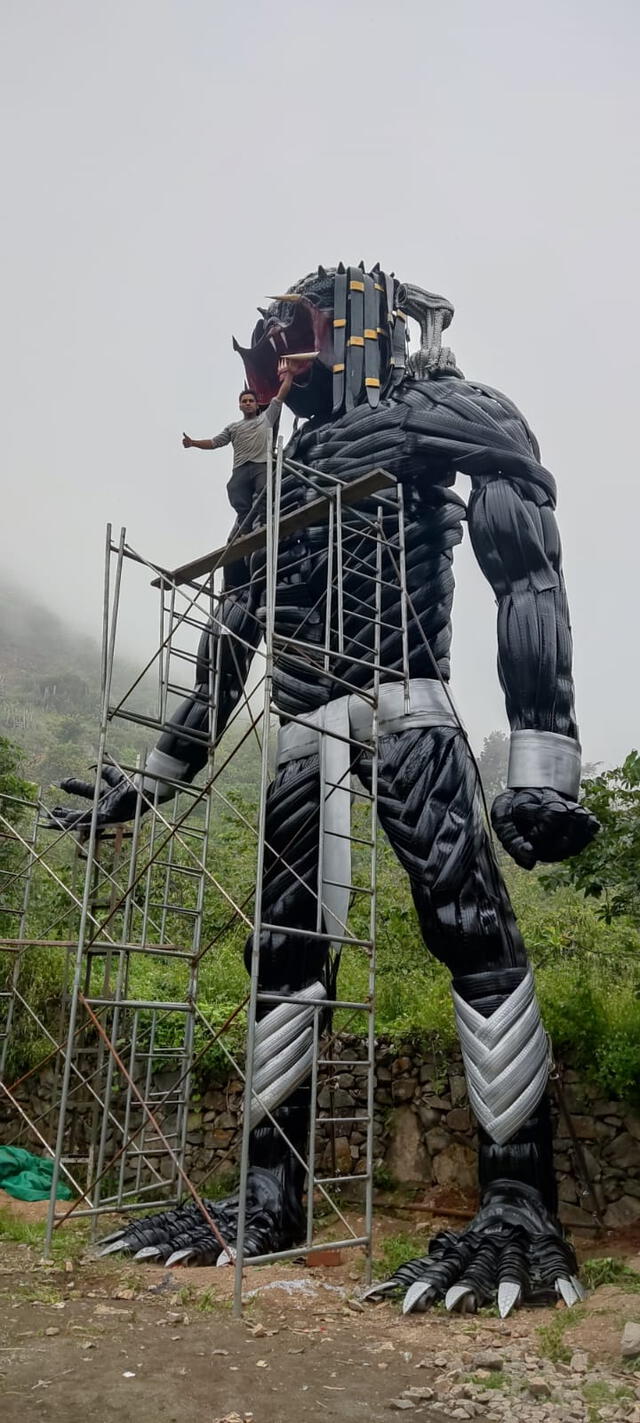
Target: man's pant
246	481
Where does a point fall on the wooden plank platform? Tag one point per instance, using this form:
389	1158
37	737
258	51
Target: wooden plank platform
316	512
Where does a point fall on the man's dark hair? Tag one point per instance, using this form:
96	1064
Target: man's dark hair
248	392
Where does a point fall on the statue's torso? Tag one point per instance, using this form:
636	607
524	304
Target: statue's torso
304	677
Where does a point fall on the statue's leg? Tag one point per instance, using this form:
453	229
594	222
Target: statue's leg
430	808
289	964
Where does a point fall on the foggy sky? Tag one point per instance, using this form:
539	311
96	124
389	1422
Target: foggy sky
167	166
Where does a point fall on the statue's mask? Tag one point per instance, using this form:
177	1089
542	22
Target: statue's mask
350	325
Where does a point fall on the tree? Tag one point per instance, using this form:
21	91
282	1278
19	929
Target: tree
609	869
492	764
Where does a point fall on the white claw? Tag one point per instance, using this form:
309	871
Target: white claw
227	1257
509	1292
110	1249
178	1257
383	1287
421	1291
568	1291
455	1294
579	1287
148	1252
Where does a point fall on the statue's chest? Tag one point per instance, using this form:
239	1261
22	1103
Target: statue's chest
369	439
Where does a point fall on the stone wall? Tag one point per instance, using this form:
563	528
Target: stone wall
423	1130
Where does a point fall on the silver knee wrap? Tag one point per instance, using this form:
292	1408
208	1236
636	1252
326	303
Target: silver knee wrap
283	1052
506	1059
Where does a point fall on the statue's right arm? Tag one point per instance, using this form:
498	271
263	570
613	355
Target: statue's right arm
225	654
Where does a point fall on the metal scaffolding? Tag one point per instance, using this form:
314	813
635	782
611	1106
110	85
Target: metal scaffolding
133	1027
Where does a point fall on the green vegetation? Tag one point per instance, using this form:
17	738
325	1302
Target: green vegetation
599	1394
551	1335
581	921
66	1244
395	1250
606	1270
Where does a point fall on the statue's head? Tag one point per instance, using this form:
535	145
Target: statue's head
350	328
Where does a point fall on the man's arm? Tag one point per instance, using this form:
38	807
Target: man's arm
224	438
274	409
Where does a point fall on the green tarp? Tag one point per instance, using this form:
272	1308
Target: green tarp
28	1177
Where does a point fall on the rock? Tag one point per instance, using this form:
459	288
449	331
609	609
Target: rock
428	1116
624	1152
458	1089
584	1128
488	1359
459	1119
579	1362
567	1190
573	1215
343	1156
621	1213
539	1388
51	1331
401	1064
407	1158
403	1090
400	1403
456	1164
437	1140
419	1391
630	1342
632	1124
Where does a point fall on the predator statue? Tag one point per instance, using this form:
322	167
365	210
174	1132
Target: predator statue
366	401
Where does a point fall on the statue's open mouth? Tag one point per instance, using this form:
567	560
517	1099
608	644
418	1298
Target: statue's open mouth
298	328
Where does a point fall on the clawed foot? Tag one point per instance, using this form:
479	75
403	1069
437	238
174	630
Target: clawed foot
183	1237
513	1249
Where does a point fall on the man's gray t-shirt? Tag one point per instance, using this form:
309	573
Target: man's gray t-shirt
249	437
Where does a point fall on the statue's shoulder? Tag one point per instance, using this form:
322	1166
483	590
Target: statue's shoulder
468	400
482	428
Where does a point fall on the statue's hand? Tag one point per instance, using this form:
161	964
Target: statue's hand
541	824
117	802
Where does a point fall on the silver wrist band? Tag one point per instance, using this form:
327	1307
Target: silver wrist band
158	767
544	758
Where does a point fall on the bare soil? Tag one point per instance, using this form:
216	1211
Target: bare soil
109	1340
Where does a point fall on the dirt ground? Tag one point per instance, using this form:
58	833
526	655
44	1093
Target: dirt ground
111	1340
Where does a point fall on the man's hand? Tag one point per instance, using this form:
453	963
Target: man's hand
187	441
541	825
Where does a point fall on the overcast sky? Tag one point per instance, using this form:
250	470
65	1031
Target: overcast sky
167	166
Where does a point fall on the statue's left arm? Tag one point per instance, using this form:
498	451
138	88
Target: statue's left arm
515	537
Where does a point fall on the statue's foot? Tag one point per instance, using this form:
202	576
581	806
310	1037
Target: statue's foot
183	1237
514	1249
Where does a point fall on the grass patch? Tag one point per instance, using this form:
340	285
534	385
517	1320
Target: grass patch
396	1250
551	1335
605	1270
599	1394
496	1380
67	1246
